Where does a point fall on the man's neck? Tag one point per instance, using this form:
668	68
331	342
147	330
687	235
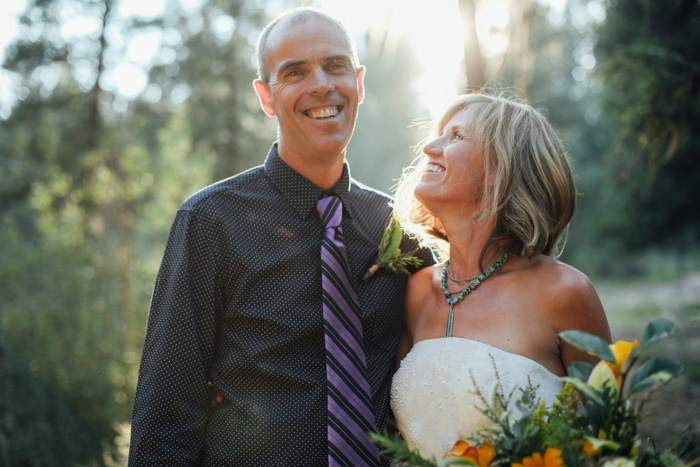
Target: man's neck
324	172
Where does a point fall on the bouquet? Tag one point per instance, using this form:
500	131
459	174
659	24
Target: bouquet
593	423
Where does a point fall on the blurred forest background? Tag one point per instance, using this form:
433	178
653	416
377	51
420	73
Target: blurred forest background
90	180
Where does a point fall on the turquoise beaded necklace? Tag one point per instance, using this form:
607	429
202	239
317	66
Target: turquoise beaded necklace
467	290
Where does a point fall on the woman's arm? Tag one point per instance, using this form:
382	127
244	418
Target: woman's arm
578	307
417	291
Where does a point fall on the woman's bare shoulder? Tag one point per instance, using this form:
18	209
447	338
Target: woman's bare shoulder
421	282
569	298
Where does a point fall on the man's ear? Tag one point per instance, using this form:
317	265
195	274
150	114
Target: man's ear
262	89
360	83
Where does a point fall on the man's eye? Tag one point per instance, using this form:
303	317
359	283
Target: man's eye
337	66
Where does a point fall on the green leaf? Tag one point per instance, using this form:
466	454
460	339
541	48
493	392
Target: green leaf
496	402
396	448
602	379
589	343
394	241
461	462
655	371
590	393
598	443
657	330
580	370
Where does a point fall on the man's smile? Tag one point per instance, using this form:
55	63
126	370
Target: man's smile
320	113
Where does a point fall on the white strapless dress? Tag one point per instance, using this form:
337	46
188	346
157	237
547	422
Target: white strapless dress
432	391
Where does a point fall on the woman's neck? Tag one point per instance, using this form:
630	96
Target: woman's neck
467	239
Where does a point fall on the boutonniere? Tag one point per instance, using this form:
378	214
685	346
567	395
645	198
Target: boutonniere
390	256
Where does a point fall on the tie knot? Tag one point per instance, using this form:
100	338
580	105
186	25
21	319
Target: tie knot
330	210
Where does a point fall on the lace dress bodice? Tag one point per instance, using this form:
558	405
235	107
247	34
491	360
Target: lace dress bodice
433	392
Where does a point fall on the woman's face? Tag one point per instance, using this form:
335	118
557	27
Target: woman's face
454	175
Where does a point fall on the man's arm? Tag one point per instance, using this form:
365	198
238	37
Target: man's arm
172	402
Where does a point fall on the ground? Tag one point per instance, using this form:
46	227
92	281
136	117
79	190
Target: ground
674	408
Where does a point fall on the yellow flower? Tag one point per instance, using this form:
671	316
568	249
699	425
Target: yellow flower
483	456
621	350
550	459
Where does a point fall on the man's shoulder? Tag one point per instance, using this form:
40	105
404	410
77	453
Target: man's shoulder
368	191
365	196
374	207
225	190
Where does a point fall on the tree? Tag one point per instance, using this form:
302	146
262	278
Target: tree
385	134
473	59
650	56
514	64
215	70
88	191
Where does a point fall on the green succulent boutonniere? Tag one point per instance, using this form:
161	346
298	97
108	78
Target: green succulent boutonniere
390	256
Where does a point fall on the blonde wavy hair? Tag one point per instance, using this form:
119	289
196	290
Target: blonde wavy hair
533	194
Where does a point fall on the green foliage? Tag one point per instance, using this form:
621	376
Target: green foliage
390	256
89	188
649	54
37	426
390	241
593	421
589	343
580	370
394	445
654	372
385	134
68	345
658	330
223	111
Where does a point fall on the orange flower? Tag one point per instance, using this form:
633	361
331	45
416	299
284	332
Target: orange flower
621	350
589	449
551	459
483	456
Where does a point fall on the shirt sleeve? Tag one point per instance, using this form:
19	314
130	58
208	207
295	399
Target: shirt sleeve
172	400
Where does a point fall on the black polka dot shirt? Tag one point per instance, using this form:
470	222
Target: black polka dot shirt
237	302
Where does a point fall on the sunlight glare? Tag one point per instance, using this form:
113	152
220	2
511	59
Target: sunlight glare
435	31
8	22
491	26
126	79
144	46
140	8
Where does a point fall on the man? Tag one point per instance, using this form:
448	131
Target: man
239	300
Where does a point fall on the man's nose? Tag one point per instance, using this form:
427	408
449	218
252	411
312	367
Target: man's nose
321	82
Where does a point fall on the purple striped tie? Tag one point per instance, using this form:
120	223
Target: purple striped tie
350	414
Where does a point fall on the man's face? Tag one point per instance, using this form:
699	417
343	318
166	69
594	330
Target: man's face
314	89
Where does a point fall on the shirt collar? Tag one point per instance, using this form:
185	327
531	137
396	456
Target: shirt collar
299	191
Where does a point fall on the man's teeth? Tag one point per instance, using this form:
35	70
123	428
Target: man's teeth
323	113
434	168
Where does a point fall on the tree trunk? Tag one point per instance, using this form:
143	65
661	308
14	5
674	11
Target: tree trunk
519	58
473	61
94	123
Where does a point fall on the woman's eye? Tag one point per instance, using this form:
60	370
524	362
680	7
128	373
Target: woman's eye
457	136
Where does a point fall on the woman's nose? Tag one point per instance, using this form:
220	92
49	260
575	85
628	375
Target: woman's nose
433	148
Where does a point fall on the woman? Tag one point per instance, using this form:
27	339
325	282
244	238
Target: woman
495	192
